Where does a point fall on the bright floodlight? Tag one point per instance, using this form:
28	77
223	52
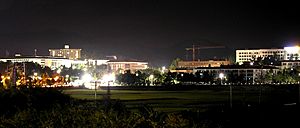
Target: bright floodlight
163	69
294	49
108	77
87	78
221	75
151	76
58	71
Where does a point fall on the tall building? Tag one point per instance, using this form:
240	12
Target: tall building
72	54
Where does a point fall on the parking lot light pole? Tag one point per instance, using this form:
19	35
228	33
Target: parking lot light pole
108	78
95	90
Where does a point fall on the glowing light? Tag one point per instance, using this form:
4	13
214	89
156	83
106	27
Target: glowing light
294	49
2	77
109	77
56	78
151	76
58	71
67	76
221	75
163	69
87	78
85	69
35	74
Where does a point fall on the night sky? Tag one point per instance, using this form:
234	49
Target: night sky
152	30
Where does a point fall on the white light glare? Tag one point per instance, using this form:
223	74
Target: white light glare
221	75
87	78
294	49
109	77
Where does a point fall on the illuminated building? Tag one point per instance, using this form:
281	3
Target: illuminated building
286	64
251	55
287	53
292	53
72	54
202	63
52	62
119	66
249	74
95	62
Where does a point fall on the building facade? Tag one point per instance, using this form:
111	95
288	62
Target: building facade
287	64
72	54
292	53
202	63
51	62
244	74
251	55
118	66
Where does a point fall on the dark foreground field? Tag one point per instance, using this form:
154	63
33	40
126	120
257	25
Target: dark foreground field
149	107
243	106
188	97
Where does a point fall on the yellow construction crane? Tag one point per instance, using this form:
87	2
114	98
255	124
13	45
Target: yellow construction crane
197	47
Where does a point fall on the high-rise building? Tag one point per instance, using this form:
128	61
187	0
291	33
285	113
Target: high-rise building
67	52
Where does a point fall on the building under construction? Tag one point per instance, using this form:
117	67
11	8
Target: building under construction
195	63
202	63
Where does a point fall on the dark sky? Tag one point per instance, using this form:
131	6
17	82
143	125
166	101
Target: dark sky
152	30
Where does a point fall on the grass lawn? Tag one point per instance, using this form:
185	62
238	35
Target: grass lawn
182	100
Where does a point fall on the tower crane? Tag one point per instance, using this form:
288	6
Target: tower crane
198	47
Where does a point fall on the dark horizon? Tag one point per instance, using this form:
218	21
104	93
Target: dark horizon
152	30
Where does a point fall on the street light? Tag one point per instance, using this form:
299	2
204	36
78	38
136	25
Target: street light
221	76
87	78
58	71
67	79
163	69
108	78
151	77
